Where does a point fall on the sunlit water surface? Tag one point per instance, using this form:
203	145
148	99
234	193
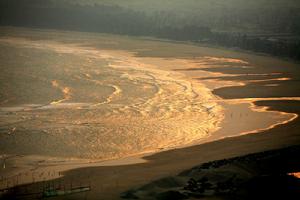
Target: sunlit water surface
71	101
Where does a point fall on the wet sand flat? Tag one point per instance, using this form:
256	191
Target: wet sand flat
241	114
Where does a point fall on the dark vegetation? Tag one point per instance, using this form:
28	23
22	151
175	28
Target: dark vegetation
264	175
273	31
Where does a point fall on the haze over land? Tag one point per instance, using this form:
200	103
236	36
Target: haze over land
216	14
267	26
235	15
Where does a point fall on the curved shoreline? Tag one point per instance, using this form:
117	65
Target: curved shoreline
138	156
162	164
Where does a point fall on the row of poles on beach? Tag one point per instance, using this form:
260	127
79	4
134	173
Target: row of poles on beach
27	177
39	186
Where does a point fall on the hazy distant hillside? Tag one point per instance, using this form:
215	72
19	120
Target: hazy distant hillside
273	16
180	5
269	26
218	14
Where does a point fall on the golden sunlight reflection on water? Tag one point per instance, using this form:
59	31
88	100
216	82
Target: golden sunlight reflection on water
112	106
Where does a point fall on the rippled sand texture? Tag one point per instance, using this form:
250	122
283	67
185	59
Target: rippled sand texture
68	100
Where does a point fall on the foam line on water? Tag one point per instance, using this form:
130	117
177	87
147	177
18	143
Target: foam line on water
174	112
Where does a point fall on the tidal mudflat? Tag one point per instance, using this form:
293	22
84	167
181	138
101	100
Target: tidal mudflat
72	100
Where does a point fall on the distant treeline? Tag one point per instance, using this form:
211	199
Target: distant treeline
119	20
275	46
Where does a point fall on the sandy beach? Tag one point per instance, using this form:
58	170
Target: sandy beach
258	94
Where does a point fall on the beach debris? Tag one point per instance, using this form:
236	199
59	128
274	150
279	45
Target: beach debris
12	130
